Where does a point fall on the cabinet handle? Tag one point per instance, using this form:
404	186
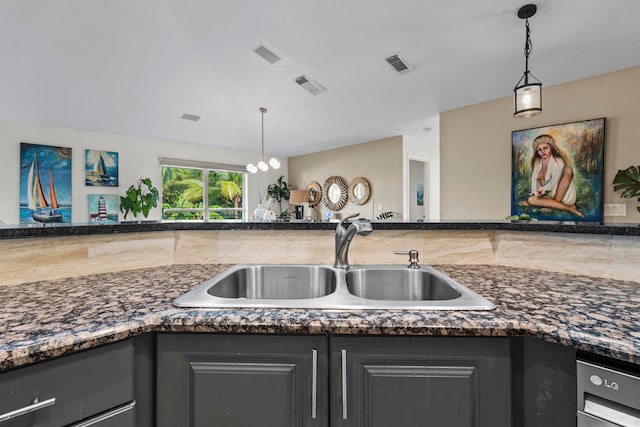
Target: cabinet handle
103	417
344	384
35	406
314	384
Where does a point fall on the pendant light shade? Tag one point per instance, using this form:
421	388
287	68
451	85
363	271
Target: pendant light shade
528	99
527	94
262	165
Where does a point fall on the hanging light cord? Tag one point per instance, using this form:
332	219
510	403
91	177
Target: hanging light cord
527	50
263	110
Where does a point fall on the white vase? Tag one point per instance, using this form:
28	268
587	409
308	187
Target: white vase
269	215
258	214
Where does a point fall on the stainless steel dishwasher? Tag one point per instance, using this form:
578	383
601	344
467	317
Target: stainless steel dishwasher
607	396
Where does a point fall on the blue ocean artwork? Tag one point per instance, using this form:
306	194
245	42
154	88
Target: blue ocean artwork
101	168
45	184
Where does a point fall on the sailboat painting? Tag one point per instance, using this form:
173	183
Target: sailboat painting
101	168
45	184
103	208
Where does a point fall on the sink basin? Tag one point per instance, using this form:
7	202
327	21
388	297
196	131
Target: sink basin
275	282
403	285
326	287
262	286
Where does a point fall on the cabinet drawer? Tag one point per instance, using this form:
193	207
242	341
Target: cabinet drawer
73	387
122	416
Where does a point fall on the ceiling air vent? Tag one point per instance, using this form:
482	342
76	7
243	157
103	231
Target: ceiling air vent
191	117
265	53
398	64
313	87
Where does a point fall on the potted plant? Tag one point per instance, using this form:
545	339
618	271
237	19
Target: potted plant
628	180
140	198
280	191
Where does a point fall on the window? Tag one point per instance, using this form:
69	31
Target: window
196	191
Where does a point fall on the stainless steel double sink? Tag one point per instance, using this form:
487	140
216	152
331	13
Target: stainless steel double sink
326	287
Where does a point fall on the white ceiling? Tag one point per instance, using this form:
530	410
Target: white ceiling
134	67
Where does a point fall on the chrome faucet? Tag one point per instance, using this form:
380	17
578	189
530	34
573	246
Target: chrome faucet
345	234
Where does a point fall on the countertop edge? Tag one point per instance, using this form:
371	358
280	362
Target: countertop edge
59	230
176	321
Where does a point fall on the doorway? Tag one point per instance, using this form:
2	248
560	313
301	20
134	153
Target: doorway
418	189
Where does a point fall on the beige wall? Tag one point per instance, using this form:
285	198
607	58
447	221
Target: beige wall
380	162
475	143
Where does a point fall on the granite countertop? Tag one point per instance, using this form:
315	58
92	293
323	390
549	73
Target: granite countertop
47	319
65	229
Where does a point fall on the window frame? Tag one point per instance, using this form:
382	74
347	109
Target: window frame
206	167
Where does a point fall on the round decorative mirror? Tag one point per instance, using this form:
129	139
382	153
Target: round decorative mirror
334	193
314	193
359	191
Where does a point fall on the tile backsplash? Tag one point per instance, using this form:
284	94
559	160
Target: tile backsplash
36	259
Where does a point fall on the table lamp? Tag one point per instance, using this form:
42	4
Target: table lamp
298	198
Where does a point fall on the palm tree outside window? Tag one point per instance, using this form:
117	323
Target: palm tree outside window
201	194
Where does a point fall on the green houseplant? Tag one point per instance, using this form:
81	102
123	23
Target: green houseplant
628	180
140	198
279	191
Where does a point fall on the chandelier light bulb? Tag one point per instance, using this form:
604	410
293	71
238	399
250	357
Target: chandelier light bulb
252	168
274	163
263	166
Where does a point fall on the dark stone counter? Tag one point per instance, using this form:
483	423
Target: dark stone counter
56	230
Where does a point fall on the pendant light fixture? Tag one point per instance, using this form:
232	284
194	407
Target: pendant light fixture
527	94
262	165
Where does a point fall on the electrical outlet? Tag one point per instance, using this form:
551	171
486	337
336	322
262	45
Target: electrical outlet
380	207
615	209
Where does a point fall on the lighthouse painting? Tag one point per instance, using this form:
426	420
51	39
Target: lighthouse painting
103	208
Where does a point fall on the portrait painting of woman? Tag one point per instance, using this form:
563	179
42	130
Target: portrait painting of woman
557	172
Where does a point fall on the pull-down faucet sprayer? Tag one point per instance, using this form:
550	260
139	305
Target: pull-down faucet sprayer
345	234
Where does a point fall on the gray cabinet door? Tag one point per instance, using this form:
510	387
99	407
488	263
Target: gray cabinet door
242	380
420	381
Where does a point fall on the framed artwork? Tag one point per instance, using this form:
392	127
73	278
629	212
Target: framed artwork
103	208
101	168
557	172
420	195
45	184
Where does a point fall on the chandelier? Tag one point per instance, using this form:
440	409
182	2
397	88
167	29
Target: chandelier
262	165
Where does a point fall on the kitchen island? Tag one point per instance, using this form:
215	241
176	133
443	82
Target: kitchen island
124	322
